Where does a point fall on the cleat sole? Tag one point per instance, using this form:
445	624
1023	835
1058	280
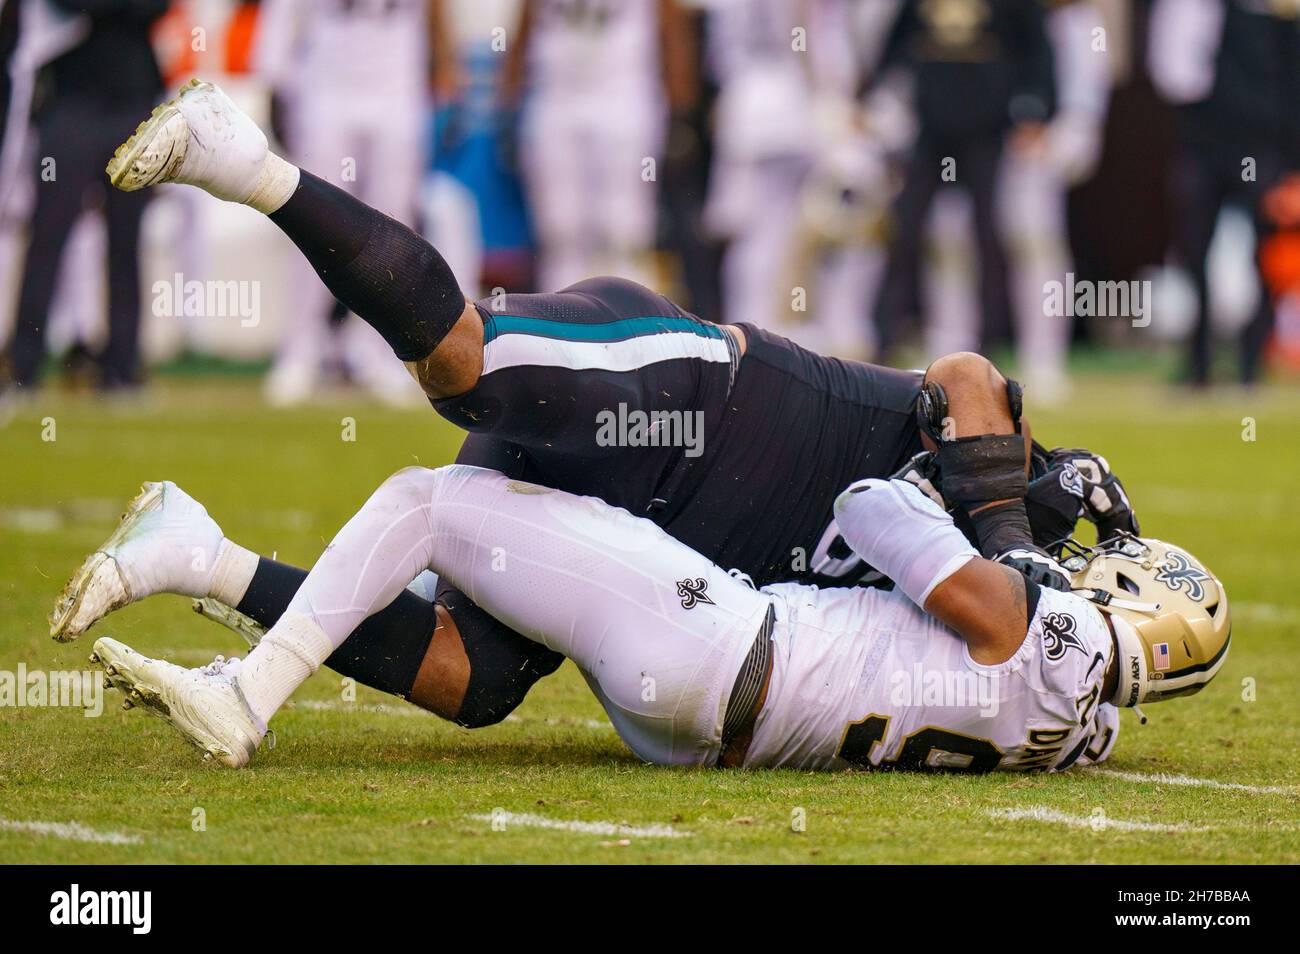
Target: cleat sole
128	154
70	599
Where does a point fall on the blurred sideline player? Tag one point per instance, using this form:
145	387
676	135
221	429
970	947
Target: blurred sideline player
1036	174
773	429
1232	68
352	77
789	164
594	80
982	73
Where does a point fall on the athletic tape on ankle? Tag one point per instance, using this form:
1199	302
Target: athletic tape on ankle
903	534
232	571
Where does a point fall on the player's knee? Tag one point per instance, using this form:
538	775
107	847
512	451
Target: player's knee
455	365
486	708
965	371
412	478
408	488
495	688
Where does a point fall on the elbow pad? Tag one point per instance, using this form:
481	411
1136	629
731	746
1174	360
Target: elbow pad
903	534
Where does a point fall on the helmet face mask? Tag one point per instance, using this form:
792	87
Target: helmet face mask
1170	614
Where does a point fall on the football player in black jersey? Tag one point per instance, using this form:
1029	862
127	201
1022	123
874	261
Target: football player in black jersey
591	390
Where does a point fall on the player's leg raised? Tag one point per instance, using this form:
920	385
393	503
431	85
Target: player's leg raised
374	265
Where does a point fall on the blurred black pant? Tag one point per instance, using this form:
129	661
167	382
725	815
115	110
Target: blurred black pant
1207	176
80	141
977	163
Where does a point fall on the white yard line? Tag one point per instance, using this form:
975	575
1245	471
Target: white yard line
525	820
601	724
1161	778
71	831
328	705
1041	813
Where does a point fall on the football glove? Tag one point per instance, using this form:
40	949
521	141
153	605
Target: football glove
1104	502
1036	566
1054	504
922	471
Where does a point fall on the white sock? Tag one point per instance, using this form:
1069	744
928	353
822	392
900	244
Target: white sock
284	659
275	185
232	571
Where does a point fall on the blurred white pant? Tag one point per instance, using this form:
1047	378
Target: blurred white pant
658	631
373	150
772	276
590	168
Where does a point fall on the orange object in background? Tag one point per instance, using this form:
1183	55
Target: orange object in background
174	41
240	33
1279	258
1279	262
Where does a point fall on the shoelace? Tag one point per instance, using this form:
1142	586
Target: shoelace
742	577
228	669
222	667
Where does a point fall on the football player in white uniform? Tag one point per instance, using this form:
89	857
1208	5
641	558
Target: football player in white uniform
966	665
600	77
353	78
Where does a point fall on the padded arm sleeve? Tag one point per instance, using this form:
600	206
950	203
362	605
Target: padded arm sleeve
903	534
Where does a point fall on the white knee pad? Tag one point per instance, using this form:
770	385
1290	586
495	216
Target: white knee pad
903	534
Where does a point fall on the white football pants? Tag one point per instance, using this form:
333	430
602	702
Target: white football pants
659	632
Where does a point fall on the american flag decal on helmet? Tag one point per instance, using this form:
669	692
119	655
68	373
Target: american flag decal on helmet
1160	656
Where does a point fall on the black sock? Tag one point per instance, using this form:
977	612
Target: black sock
384	652
395	280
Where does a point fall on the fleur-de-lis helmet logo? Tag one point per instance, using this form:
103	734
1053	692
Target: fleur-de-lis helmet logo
1177	573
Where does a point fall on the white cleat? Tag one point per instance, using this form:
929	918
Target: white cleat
213	609
199	138
166	543
204	704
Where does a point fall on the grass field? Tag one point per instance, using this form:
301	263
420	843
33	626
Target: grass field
1214	779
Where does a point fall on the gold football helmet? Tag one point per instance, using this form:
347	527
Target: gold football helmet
1170	615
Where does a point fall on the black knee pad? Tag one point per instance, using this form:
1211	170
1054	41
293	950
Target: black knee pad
502	664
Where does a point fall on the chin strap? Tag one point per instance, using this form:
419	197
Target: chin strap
1106	598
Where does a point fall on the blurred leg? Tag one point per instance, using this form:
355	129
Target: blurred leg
1032	204
554	169
58	203
979	166
120	359
1198	199
922	181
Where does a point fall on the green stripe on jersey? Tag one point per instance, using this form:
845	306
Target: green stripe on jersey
620	330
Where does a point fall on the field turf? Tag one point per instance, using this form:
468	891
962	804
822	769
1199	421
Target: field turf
1212	779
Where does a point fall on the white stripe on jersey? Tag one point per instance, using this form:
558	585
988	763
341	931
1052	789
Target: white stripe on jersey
517	350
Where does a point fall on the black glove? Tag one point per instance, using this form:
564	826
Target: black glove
1102	495
1054	504
1038	567
922	471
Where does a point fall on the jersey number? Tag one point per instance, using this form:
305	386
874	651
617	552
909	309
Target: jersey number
860	738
